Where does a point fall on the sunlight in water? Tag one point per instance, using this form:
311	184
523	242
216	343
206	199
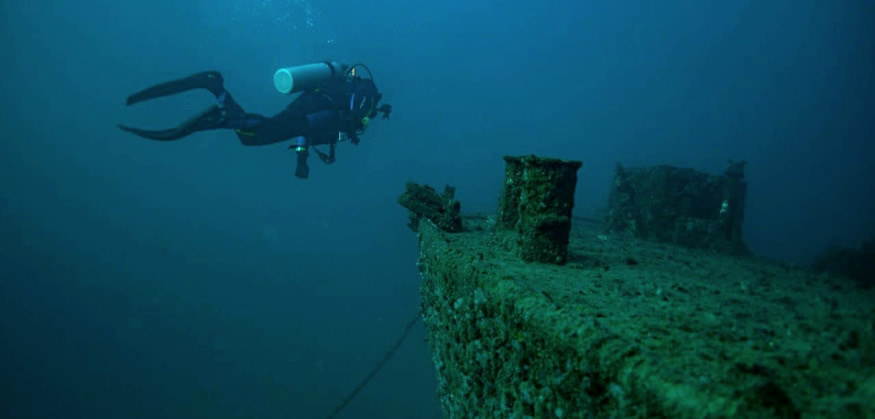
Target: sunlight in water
292	17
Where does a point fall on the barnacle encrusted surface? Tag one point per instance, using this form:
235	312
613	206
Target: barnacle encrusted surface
629	328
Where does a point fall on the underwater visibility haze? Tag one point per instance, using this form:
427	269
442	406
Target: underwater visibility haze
202	278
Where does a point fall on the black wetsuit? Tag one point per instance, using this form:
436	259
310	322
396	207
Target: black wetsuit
340	107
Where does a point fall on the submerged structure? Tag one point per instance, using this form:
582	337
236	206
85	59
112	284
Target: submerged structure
680	206
611	325
858	264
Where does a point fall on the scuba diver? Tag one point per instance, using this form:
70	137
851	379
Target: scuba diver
335	106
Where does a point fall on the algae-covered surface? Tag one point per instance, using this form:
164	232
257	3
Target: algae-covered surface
630	328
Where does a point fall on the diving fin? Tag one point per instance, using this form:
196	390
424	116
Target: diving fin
211	118
159	135
210	80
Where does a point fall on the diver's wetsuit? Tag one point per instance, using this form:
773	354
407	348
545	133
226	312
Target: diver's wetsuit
316	117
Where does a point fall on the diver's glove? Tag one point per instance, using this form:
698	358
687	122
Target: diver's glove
386	109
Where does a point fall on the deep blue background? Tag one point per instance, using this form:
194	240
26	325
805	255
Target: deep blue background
201	279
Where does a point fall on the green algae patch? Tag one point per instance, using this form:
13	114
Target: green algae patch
629	328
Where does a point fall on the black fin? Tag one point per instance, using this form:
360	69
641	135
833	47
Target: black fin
210	80
211	118
159	135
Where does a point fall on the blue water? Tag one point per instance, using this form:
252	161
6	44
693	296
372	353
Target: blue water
199	278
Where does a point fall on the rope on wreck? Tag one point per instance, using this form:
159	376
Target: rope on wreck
377	367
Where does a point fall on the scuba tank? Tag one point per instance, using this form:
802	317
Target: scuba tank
354	98
308	76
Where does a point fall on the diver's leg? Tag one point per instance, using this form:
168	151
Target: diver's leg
303	117
225	114
210	80
259	130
